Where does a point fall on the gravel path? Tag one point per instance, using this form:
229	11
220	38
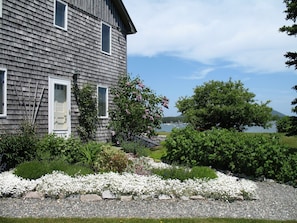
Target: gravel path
276	201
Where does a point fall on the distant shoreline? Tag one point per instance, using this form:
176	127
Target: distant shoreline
167	127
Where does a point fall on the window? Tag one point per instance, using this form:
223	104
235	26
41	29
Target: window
0	8
106	38
60	19
102	102
3	79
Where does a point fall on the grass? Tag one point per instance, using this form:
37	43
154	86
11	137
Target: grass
137	220
157	152
182	173
290	141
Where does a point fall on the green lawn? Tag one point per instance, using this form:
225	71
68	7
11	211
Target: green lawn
135	220
291	141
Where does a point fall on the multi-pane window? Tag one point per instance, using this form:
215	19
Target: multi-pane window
0	8
102	102
106	38
60	19
2	93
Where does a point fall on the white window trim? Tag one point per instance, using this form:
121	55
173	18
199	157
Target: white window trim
0	8
106	99
4	114
110	36
66	15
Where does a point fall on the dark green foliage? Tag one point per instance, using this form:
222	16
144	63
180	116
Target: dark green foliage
135	148
90	153
17	148
88	112
36	169
254	155
182	173
287	124
170	119
223	104
52	147
291	12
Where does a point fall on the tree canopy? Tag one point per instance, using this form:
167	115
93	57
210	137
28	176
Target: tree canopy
225	105
291	12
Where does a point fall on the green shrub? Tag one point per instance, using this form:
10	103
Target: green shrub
287	124
90	153
111	159
17	148
254	155
36	169
135	148
32	170
182	173
52	147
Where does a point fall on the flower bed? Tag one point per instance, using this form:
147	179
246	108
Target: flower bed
56	184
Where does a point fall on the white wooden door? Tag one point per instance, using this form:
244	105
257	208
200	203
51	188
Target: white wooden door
59	107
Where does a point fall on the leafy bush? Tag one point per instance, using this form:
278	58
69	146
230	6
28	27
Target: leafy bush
254	155
52	147
287	124
135	148
88	112
111	159
137	109
32	170
17	148
90	153
36	169
182	173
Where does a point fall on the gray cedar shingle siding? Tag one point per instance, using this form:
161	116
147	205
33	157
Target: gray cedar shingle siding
32	49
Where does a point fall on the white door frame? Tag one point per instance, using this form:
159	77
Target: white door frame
51	119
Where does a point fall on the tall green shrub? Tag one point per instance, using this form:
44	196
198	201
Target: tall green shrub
255	155
19	147
52	147
88	112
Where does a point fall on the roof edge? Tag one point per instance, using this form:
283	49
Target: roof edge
125	16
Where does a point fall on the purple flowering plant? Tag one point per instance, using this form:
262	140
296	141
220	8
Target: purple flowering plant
137	109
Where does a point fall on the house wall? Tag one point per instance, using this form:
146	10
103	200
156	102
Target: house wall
32	49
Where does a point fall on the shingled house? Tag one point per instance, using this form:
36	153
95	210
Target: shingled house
44	44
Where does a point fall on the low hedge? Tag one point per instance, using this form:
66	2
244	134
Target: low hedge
36	169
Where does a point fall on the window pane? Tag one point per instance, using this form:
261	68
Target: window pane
2	92
60	107
105	38
102	101
0	8
60	14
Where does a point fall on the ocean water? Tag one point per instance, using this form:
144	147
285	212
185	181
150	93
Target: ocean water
167	127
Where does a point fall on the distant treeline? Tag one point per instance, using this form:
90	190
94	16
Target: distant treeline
173	119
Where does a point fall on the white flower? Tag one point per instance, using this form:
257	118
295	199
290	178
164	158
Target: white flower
58	183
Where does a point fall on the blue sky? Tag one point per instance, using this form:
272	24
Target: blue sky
183	44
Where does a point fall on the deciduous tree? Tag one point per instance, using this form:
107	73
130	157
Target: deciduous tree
225	105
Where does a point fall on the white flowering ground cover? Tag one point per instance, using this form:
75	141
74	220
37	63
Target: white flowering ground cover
58	184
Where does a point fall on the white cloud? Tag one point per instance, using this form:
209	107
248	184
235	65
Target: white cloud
198	75
243	33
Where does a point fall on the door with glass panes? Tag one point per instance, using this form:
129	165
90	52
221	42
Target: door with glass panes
59	107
